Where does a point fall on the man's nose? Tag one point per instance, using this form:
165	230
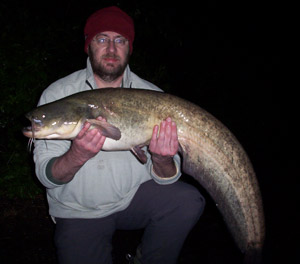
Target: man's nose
111	47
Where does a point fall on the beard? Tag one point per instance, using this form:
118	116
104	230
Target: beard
108	72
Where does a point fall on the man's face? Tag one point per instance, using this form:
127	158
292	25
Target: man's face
109	55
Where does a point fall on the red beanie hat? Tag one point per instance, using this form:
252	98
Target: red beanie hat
109	19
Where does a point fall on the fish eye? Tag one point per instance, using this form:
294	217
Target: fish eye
43	116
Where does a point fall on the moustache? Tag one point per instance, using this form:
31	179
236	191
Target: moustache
111	56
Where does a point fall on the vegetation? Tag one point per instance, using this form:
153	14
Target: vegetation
23	75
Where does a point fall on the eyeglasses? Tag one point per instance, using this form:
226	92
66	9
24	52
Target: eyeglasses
105	41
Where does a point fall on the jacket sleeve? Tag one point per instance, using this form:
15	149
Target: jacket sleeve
170	180
46	150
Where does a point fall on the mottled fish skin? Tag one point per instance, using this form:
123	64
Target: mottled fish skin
211	153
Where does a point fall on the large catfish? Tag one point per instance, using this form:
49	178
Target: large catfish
210	152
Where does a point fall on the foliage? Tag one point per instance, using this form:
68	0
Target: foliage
22	76
28	65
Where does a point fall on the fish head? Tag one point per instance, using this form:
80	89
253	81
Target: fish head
54	121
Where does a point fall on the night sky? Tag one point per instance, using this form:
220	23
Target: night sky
225	57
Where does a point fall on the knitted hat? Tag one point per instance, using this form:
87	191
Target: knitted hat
109	19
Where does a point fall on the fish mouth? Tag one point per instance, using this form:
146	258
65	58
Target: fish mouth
27	131
30	131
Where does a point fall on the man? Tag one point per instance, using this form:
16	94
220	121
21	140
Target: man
90	192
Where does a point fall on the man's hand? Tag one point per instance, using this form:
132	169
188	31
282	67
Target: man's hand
163	146
85	146
88	143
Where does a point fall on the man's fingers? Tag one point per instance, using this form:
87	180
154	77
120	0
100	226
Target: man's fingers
174	139
155	132
85	128
174	131
100	118
162	131
164	142
168	133
100	142
153	141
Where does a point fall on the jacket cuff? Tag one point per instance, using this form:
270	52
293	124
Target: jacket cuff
167	180
49	172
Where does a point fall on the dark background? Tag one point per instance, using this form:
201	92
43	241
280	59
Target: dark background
225	56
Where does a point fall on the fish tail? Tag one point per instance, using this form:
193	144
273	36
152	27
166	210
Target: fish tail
253	256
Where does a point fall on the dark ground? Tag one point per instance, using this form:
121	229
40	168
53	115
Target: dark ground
26	226
27	231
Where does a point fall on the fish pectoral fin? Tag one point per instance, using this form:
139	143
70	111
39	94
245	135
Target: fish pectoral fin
139	153
106	129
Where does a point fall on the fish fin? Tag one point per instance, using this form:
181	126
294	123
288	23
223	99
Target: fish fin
106	129
139	153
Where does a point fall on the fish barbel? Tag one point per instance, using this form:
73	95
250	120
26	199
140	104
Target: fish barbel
210	152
